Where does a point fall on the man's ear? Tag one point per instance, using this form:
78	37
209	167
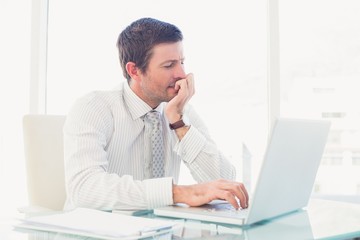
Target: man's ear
133	71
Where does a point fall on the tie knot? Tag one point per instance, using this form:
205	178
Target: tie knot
153	116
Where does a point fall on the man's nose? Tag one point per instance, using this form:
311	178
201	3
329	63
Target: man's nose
180	72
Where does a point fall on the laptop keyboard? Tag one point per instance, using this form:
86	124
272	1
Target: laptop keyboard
228	210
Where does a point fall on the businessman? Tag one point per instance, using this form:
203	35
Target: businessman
123	148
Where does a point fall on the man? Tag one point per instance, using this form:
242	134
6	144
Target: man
109	136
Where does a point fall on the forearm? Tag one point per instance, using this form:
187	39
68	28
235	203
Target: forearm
202	157
102	191
110	191
181	132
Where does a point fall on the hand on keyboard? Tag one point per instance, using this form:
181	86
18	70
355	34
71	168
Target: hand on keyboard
195	195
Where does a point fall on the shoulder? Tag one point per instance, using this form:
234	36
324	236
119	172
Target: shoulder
95	108
100	98
98	101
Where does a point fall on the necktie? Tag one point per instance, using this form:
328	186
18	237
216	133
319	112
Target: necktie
157	144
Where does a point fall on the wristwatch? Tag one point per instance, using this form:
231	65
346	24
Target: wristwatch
182	122
177	124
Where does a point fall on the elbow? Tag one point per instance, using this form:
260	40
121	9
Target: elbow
75	195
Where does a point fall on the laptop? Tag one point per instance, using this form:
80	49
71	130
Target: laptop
285	181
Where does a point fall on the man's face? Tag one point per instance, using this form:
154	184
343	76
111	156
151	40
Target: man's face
165	67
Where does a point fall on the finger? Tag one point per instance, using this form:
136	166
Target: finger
183	92
229	197
191	85
245	202
181	84
242	189
238	189
241	196
242	186
177	85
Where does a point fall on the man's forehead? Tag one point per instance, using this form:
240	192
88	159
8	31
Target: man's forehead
168	51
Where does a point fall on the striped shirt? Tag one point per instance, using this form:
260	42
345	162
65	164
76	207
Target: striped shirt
108	157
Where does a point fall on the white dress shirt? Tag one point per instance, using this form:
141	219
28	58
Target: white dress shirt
108	157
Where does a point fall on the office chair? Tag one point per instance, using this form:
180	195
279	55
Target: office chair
44	156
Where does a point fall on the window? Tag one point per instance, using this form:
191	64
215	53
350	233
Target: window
320	68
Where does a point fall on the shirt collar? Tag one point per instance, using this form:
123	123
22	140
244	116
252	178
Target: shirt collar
137	107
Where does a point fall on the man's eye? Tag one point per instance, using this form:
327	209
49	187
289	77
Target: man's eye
168	66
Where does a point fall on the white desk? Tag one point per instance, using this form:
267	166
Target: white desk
321	220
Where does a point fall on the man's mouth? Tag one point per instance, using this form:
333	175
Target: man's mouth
172	86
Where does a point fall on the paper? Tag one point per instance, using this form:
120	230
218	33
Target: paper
95	223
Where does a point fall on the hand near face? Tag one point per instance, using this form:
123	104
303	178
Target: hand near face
185	90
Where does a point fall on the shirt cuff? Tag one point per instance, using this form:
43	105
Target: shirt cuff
159	192
191	145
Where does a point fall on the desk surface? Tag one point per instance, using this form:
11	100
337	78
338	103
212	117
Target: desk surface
320	220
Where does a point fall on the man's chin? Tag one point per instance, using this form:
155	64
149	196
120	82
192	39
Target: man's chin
169	97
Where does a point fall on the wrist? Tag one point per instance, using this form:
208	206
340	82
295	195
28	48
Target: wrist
177	124
181	132
178	193
182	122
175	118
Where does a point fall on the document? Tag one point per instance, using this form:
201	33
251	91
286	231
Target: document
98	224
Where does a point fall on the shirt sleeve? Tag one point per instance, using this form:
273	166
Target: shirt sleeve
87	131
200	154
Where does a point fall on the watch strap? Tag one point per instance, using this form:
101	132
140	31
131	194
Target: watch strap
177	124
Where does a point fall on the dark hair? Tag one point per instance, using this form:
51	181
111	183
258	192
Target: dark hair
135	42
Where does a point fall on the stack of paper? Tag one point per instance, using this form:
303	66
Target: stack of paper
95	223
